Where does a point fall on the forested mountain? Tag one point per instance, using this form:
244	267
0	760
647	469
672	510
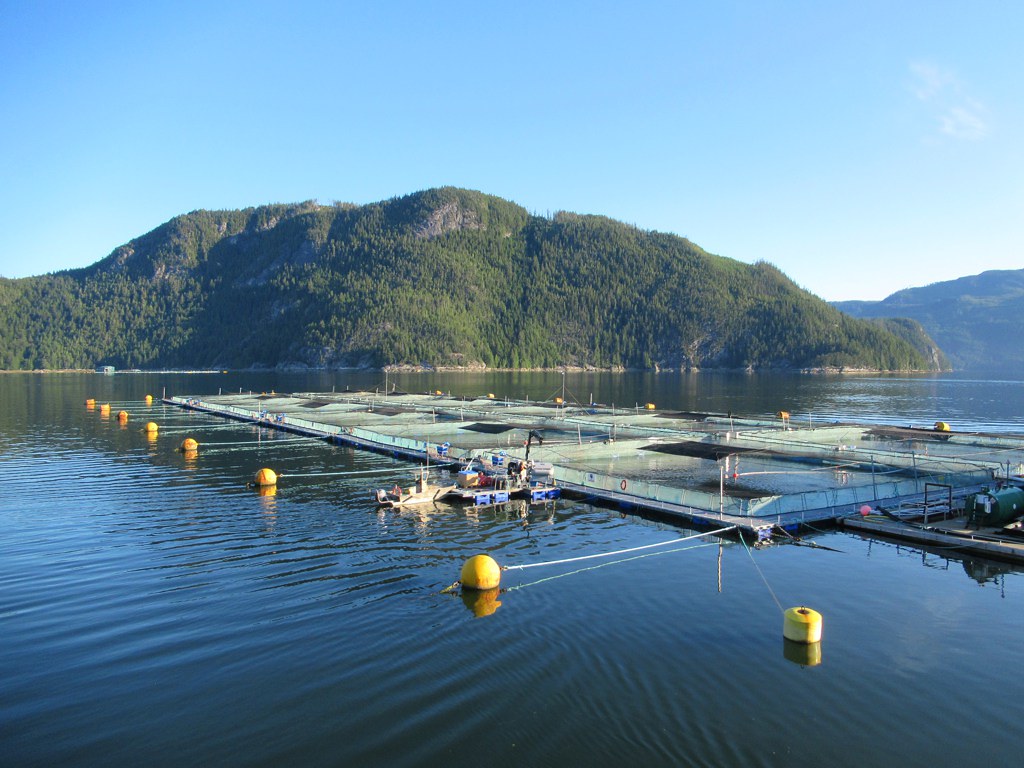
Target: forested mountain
444	277
977	320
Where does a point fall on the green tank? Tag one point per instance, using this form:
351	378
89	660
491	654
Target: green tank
994	509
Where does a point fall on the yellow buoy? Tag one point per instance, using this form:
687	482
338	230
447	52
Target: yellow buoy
941	426
490	395
480	572
122	415
189	444
149	399
265	477
649	406
482	602
558	401
90	403
152	427
105	408
802	625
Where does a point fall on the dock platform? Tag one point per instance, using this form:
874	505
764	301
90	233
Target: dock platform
705	469
947	534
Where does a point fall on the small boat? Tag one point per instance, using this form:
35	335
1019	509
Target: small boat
421	492
480	484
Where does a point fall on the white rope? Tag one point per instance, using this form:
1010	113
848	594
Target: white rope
618	552
390	470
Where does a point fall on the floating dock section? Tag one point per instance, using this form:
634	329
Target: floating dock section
707	469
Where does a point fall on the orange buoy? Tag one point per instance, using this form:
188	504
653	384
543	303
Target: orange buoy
481	572
105	408
90	403
152	427
122	416
189	444
265	477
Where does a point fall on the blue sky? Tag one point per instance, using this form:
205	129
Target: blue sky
862	147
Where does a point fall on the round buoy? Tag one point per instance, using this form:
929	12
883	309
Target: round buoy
480	572
265	477
802	625
482	602
105	408
151	426
122	415
865	510
189	444
149	399
90	403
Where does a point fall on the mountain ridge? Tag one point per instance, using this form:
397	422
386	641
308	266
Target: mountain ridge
977	320
445	277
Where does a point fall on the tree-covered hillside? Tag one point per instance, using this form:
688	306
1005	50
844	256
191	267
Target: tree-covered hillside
976	319
445	277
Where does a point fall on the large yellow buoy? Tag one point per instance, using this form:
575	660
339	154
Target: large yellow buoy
802	625
941	426
482	602
149	399
152	427
649	406
105	408
265	477
122	416
480	572
189	444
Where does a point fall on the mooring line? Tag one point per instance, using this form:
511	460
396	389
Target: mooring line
759	573
338	474
617	552
613	562
261	443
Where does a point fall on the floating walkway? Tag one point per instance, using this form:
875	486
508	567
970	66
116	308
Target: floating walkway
944	534
703	468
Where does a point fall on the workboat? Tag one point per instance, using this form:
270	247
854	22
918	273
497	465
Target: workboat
496	484
420	492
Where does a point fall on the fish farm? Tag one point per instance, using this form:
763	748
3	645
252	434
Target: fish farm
705	469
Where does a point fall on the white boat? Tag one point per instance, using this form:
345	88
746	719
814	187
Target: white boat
421	492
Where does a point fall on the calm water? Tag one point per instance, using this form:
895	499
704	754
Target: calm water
155	611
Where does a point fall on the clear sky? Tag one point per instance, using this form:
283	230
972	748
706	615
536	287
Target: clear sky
862	146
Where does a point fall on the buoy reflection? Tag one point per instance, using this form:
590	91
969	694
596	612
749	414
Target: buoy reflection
482	602
804	654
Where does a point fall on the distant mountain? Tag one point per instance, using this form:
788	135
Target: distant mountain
978	321
444	277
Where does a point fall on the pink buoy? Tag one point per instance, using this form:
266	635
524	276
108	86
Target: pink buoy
865	511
